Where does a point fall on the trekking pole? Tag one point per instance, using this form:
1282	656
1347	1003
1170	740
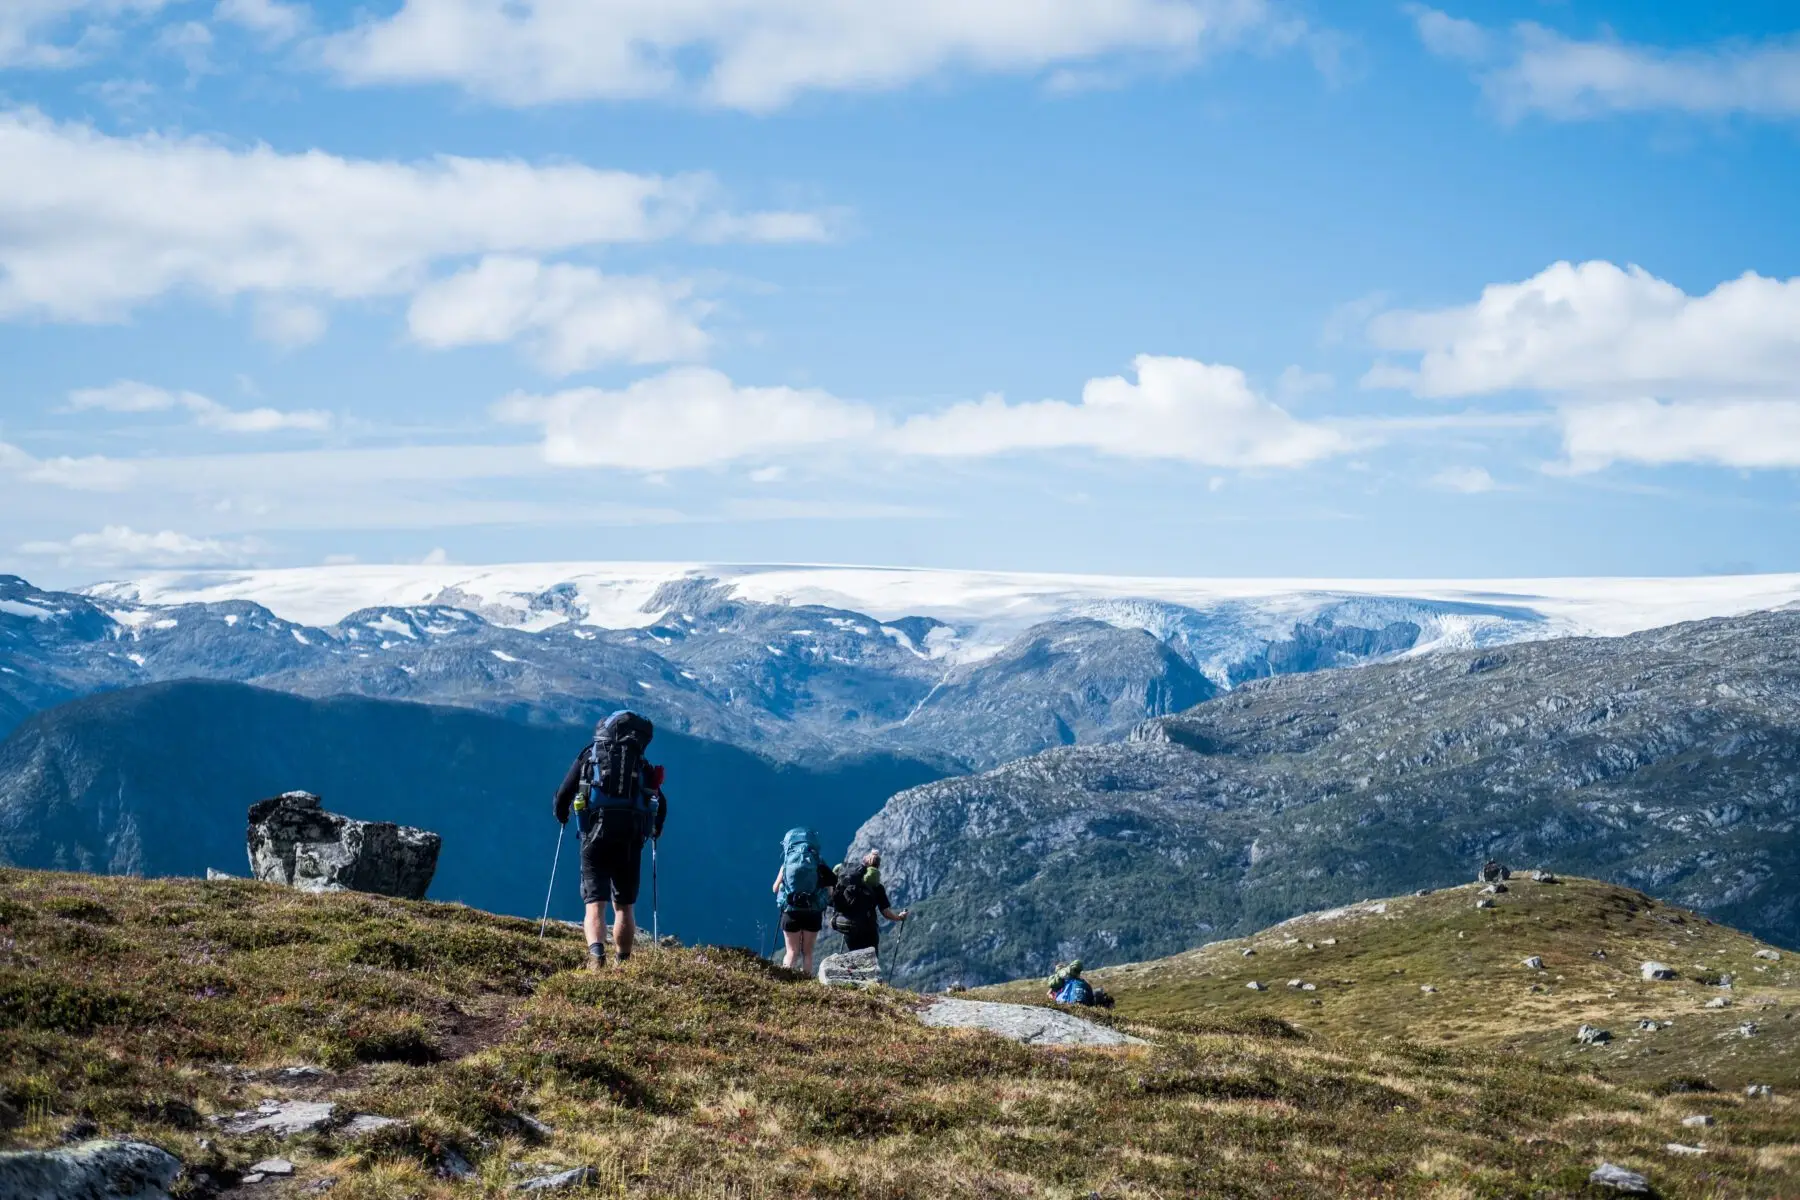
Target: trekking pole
655	918
554	863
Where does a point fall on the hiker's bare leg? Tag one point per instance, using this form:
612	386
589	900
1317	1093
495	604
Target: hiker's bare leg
808	940
796	948
592	925
624	930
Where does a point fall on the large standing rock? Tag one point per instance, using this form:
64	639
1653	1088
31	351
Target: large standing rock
857	968
295	841
104	1170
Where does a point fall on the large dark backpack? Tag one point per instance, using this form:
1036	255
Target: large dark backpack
853	900
1075	991
616	773
800	889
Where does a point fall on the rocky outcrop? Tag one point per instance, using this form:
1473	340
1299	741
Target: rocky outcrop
1023	1023
101	1170
852	968
294	841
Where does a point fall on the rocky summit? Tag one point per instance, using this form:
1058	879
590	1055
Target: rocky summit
293	840
1664	760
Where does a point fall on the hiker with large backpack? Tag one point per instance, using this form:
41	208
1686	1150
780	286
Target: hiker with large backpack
617	796
802	892
1067	986
857	900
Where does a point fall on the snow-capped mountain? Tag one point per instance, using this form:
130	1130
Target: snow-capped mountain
963	669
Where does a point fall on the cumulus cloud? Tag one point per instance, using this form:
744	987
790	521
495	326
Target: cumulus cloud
130	396
122	546
568	318
56	33
1596	327
92	226
760	54
1540	71
687	417
272	20
1176	409
1639	370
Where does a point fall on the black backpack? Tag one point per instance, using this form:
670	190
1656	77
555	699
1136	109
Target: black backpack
853	899
616	774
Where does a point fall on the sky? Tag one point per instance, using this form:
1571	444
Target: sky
1182	287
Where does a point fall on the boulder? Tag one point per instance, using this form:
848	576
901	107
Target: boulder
1023	1023
852	968
1493	871
1617	1178
294	841
99	1170
1769	955
1656	970
1592	1035
283	1118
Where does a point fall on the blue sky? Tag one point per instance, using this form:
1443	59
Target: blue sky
1152	286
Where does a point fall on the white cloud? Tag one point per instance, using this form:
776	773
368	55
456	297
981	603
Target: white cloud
190	42
33	32
1177	409
92	226
90	474
569	318
760	54
289	323
1745	434
687	417
1449	37
1570	79
122	546
1468	480
1598	328
695	417
130	396
274	21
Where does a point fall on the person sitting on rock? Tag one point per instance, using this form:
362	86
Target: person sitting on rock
856	901
619	799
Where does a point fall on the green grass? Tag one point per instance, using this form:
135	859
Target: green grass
706	1072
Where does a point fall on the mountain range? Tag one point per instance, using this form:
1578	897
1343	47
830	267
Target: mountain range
1665	760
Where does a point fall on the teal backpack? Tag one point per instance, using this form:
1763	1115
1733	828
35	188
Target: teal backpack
800	890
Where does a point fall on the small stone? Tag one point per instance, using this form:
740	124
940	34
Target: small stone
1542	877
1747	1029
1248	952
1295	983
1533	963
1649	1026
455	1166
1726	979
1689	1151
572	1178
1428	989
1309	987
1600	954
253	1177
1254	986
213	873
300	1073
273	1166
534	1126
1759	1089
1329	942
1484	902
1718	1002
1495	889
1423	892
1619	1179
1698	1121
1768	955
1656	970
1592	1035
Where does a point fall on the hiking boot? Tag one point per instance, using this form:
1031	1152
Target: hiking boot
596	962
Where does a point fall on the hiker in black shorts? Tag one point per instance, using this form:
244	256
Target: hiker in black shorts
619	798
856	901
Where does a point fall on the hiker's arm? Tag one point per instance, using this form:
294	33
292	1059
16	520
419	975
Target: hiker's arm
891	915
779	872
565	795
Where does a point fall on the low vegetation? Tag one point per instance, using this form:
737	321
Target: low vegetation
135	1008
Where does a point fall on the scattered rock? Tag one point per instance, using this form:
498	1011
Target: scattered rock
1649	1026
1484	902
533	1126
1600	954
304	1073
1533	963
454	1166
1592	1035
1379	909
1249	952
1295	983
1689	1151
1759	1089
1726	979
1427	988
100	1170
363	1124
1656	970
283	1118
1329	942
1493	871
1025	1023
319	1186
1698	1121
1718	1002
253	1177
1423	892
1619	1180
1254	986
1309	987
273	1166
1747	1029
215	873
572	1178
1543	877
1495	889
853	968
1769	955
294	841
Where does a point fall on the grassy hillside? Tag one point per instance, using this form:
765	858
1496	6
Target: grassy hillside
1371	964
144	1006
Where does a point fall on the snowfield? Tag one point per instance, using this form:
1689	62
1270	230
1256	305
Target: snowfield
987	608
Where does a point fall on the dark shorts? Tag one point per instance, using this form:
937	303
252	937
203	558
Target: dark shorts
862	937
799	920
610	869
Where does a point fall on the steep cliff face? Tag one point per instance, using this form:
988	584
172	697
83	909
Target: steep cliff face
1668	760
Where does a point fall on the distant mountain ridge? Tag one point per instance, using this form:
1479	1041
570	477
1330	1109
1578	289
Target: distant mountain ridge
1666	761
965	670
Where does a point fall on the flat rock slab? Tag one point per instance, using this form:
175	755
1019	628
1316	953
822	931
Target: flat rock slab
1023	1023
283	1118
101	1170
574	1177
